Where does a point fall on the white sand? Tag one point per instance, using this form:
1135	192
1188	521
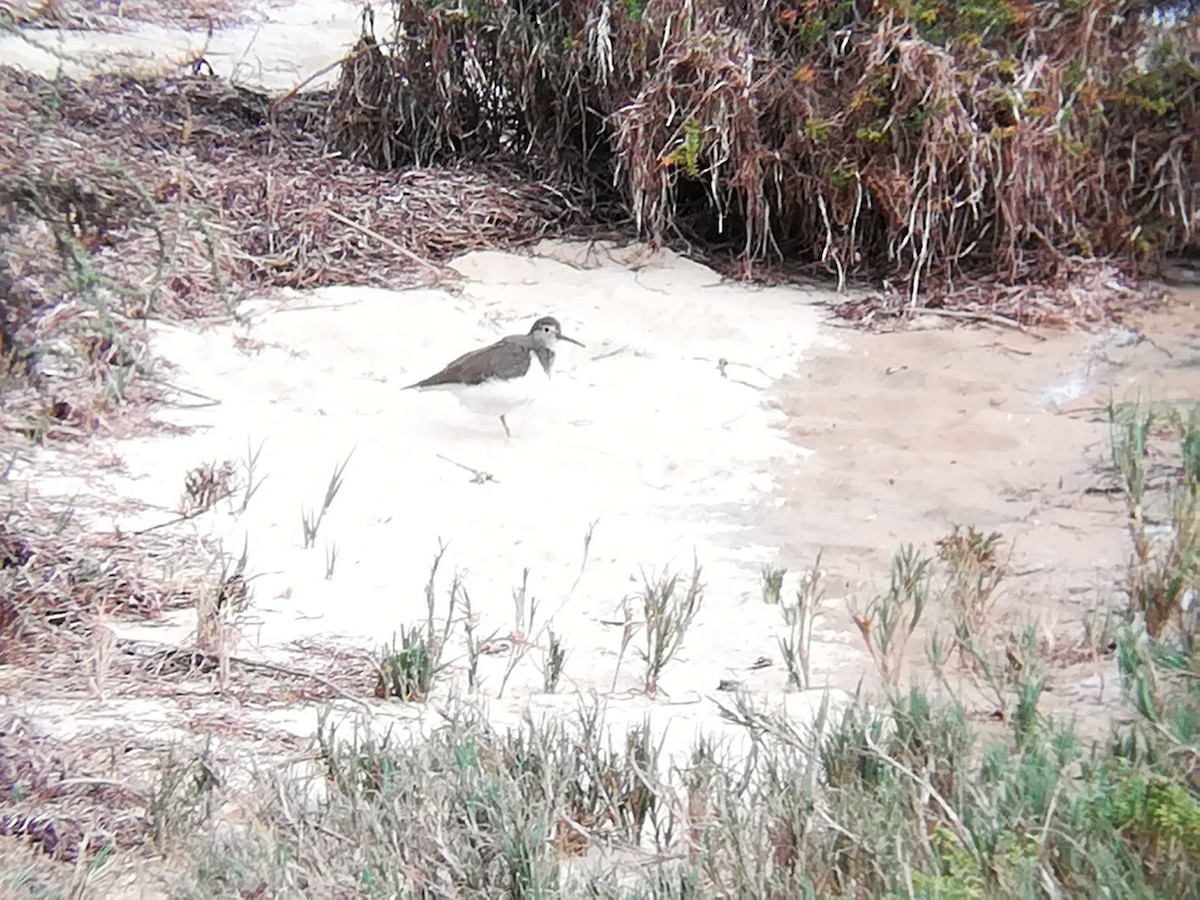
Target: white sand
640	435
285	43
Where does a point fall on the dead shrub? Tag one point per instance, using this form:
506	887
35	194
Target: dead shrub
923	146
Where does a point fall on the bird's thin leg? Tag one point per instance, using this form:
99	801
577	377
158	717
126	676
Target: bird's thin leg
505	424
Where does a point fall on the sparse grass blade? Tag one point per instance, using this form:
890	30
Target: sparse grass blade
331	557
669	607
975	571
890	618
553	661
800	617
311	522
250	467
474	643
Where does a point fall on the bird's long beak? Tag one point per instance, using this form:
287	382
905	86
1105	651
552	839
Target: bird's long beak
570	340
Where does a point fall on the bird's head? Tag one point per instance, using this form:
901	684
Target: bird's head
547	332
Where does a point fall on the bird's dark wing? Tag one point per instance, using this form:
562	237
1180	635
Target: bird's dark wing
508	357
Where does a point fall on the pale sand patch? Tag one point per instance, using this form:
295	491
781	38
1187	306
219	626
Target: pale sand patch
283	45
647	439
643	436
914	432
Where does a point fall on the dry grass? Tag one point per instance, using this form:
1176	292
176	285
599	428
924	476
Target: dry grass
67	587
60	579
55	799
66	584
133	166
176	198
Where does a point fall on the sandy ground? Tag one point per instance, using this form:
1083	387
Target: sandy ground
703	417
648	442
281	44
830	440
914	432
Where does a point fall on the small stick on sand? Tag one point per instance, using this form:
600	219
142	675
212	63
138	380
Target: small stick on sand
439	271
481	477
300	673
970	316
336	64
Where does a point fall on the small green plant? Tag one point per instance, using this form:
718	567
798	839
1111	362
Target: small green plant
1163	586
669	607
874	133
1187	426
311	522
50	96
1154	812
975	571
1130	428
407	670
771	584
1159	684
811	30
687	154
1099	630
817	130
182	796
890	618
635	8
1164	572
843	175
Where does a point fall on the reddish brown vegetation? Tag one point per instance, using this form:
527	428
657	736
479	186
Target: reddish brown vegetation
921	142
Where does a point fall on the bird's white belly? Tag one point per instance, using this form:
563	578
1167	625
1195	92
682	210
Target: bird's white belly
499	397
